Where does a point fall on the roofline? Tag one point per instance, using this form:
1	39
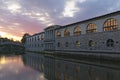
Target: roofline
36	34
50	27
105	15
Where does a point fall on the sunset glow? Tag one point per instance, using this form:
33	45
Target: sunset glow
10	36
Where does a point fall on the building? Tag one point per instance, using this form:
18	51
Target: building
96	34
35	42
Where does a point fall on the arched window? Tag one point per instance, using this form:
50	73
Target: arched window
110	25
58	34
77	44
110	43
77	31
66	44
91	43
91	28
66	33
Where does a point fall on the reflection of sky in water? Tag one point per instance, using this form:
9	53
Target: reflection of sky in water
12	68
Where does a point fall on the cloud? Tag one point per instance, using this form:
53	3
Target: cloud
70	8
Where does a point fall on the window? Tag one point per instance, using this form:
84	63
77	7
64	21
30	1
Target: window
66	44
110	25
58	44
91	43
42	37
38	38
77	31
110	43
58	34
91	28
77	44
66	33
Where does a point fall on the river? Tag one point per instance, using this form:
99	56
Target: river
32	66
13	68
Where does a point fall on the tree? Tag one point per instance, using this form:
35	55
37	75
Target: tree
23	40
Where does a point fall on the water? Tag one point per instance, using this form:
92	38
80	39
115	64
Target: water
13	68
34	66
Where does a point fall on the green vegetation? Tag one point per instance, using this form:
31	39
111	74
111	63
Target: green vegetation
8	47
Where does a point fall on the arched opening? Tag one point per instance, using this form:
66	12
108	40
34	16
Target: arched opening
110	43
58	34
91	43
77	31
91	28
77	44
110	24
66	33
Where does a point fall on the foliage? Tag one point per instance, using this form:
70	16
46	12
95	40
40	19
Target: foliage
23	40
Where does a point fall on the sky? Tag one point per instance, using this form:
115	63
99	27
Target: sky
18	17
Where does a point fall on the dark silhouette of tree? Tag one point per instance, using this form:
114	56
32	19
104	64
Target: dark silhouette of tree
23	40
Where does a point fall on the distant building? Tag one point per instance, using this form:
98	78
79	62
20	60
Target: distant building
35	42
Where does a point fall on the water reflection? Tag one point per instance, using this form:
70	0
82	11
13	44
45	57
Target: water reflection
58	68
12	68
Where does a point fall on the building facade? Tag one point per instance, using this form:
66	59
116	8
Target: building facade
35	42
96	34
50	37
100	33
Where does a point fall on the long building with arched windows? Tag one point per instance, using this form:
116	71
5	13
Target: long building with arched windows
96	34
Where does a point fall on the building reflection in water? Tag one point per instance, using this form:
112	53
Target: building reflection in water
12	68
56	68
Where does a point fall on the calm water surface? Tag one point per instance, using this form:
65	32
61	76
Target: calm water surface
12	68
